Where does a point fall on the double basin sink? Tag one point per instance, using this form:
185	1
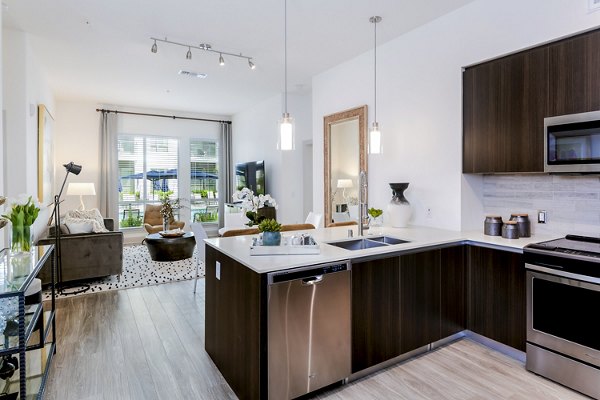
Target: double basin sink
367	243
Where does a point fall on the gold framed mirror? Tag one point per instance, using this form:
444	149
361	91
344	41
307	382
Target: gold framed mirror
345	155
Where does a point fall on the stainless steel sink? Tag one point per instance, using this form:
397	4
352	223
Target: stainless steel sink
367	243
387	240
357	244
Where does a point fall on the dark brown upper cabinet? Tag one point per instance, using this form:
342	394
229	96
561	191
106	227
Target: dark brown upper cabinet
575	74
504	105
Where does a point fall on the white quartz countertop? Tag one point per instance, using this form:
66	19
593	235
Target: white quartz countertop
238	247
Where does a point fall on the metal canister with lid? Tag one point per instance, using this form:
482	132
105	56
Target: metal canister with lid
523	224
492	225
510	230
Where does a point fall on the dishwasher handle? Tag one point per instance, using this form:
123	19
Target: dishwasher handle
313	280
309	275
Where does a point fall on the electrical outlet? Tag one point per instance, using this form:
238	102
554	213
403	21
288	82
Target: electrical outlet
428	212
542	216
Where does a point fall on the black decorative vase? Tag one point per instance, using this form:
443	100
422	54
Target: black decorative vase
399	209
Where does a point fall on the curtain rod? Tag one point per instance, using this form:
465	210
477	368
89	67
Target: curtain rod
162	116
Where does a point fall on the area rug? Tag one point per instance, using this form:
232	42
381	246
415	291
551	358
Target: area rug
139	270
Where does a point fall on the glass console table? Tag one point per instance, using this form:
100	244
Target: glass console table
27	328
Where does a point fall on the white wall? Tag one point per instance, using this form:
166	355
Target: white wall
420	95
255	138
76	139
25	86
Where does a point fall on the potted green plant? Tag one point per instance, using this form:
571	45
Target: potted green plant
271	235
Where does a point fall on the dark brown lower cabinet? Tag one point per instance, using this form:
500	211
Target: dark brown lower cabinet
419	299
402	303
453	283
235	318
375	312
496	290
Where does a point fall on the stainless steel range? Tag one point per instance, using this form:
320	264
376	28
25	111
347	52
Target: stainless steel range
563	311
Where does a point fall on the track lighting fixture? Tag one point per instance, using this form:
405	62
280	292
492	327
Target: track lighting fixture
202	46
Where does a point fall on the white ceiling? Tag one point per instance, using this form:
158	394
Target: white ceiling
100	50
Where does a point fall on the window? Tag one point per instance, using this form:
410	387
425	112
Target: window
147	170
204	168
126	145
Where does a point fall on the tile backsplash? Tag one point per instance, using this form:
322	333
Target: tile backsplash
572	202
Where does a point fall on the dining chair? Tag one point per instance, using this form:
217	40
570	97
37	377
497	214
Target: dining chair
239	232
199	235
296	227
314	219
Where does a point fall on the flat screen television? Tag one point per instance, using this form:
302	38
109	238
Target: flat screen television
251	175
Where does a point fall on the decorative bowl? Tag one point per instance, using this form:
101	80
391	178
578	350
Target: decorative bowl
172	233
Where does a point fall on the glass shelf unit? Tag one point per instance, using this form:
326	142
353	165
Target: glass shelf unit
27	331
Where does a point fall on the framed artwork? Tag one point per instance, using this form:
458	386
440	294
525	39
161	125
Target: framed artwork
45	155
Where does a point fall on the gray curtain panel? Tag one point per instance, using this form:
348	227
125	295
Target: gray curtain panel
109	184
226	171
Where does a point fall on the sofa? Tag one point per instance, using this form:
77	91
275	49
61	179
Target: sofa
87	255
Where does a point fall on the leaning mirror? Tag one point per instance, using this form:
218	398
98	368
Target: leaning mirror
345	156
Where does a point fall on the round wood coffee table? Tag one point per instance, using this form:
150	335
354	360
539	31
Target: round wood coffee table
170	248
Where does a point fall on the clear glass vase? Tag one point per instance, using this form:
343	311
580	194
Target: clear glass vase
375	225
21	238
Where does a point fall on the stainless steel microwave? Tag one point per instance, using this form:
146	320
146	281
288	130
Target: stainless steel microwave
572	143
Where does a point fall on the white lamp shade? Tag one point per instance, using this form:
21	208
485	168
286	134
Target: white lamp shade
344	183
81	189
286	133
375	139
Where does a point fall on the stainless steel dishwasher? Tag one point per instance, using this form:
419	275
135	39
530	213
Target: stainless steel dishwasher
308	328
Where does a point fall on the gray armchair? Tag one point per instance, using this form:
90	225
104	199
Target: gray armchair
87	255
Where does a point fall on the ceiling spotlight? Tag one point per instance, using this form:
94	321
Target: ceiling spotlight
188	55
251	64
154	47
221	60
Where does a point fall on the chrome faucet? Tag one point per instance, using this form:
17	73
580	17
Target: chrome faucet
363	218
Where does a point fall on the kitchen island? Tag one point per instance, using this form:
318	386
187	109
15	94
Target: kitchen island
404	297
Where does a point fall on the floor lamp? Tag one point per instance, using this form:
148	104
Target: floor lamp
73	169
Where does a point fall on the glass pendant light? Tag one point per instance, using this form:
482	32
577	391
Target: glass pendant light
286	123
374	132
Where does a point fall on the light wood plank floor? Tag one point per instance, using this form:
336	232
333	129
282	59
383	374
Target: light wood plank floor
148	343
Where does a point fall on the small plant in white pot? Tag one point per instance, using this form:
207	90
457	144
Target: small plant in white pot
271	235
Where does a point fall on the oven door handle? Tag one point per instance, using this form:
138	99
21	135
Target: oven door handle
562	274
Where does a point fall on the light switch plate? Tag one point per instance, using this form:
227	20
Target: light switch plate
542	216
218	270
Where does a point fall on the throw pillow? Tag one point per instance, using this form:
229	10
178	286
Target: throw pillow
92	216
80	227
